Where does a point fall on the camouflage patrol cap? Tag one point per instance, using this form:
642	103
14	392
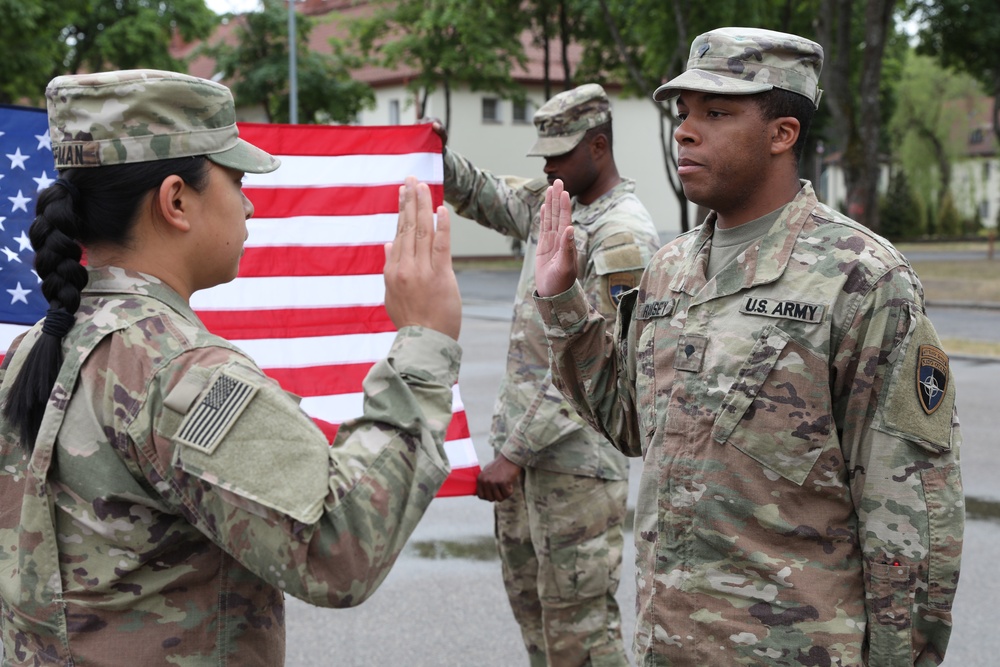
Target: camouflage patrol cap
128	116
562	121
744	61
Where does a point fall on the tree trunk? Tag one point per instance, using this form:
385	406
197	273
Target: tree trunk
546	56
878	20
858	127
564	38
447	105
996	112
941	157
666	140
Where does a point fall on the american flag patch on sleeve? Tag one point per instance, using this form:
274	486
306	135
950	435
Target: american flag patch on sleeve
211	418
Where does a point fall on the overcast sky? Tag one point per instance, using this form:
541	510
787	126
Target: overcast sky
223	6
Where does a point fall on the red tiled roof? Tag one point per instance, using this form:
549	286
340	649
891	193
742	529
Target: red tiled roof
329	15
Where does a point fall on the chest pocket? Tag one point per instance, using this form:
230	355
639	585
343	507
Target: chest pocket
778	411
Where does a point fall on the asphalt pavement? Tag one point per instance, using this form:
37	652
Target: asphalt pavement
444	605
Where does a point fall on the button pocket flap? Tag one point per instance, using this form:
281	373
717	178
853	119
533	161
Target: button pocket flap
748	382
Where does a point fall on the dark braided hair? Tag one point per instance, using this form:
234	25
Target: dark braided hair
83	207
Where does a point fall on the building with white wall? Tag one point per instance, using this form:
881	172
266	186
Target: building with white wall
494	133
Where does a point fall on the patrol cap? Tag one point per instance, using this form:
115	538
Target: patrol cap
562	121
744	61
127	116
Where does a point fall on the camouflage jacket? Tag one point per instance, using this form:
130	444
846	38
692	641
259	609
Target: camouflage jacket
175	493
801	500
533	425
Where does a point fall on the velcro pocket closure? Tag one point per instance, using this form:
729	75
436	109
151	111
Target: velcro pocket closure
263	449
778	410
617	259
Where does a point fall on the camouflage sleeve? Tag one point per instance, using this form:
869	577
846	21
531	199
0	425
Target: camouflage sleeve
505	204
544	423
255	474
616	262
585	361
617	256
905	479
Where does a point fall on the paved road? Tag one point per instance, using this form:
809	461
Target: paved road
444	605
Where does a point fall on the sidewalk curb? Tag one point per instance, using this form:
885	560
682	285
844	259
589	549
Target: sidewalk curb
979	305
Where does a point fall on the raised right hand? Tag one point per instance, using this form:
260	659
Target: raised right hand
555	259
420	284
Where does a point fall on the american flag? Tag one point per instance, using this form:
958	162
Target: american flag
308	302
26	168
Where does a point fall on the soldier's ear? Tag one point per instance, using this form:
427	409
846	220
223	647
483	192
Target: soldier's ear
598	146
784	134
170	202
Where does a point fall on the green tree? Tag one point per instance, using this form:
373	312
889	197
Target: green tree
258	63
557	22
40	39
855	91
949	220
446	42
902	212
964	34
640	43
931	113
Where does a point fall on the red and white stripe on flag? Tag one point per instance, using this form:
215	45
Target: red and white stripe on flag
308	304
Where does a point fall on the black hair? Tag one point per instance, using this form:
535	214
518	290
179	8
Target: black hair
605	129
85	206
779	103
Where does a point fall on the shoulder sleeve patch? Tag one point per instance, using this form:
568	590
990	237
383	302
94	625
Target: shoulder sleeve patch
218	408
920	396
618	284
619	258
537	185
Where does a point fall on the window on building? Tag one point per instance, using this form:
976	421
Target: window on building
984	210
977	136
491	110
521	112
393	112
986	170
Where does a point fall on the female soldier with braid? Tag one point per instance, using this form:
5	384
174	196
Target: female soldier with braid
158	493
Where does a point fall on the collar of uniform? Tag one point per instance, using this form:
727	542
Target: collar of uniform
116	280
586	215
775	246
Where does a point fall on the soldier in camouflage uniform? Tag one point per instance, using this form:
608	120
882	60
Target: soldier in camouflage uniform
801	499
158	494
560	488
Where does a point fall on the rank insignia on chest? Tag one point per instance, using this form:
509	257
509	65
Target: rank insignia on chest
932	377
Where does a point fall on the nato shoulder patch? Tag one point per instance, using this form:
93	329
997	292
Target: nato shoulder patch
618	284
220	406
932	377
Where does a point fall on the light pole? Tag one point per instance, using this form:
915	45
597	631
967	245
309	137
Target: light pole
293	75
820	149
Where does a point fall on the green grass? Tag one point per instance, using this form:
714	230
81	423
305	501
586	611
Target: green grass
975	348
975	280
486	263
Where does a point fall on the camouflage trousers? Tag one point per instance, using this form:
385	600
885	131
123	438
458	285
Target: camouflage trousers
560	542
